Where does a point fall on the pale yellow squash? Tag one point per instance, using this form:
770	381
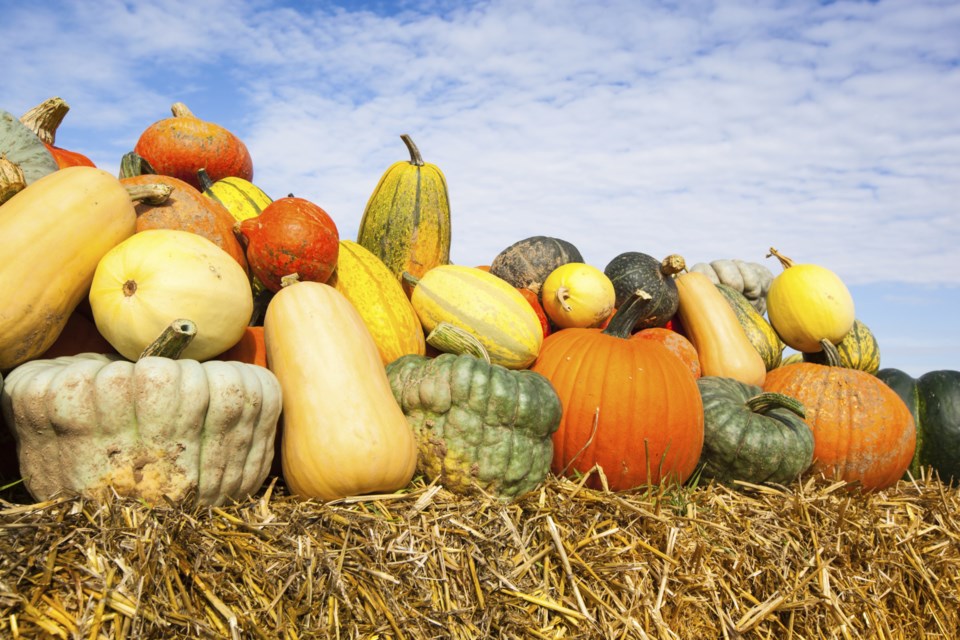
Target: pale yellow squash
159	275
712	326
54	232
343	432
379	297
577	294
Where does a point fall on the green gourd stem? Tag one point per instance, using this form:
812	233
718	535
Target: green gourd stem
785	262
12	181
204	179
768	400
831	352
153	193
415	158
673	264
132	164
172	342
452	339
625	319
44	118
409	279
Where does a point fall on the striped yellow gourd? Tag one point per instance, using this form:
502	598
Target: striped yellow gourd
367	283
489	308
407	219
242	198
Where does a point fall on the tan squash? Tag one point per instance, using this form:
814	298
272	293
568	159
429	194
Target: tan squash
61	225
712	326
343	432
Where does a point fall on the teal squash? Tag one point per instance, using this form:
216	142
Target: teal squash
23	148
934	401
750	435
479	426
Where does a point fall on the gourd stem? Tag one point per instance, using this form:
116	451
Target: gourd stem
625	319
204	179
180	110
672	265
153	193
831	353
415	158
563	294
785	262
44	118
172	342
132	164
450	338
768	400
12	181
409	279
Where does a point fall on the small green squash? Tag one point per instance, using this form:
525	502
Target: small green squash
479	426
859	349
759	332
750	435
526	263
407	219
934	401
635	271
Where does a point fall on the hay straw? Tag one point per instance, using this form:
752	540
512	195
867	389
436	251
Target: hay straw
812	560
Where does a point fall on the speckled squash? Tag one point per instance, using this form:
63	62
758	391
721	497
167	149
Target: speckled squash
526	263
859	349
240	197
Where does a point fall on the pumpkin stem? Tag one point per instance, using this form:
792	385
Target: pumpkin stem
204	179
133	164
831	353
172	342
289	279
450	338
154	193
672	265
180	110
409	279
11	179
625	319
44	118
768	400
415	158
785	262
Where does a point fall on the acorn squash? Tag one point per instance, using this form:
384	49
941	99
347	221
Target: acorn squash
526	263
635	271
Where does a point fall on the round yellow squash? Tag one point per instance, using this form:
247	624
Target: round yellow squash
343	432
159	275
578	295
808	303
379	297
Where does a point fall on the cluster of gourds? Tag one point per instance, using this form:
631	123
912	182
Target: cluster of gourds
166	331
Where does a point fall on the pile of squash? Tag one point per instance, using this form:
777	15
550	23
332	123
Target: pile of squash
175	332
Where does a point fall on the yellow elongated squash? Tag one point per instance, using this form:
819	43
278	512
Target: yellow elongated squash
407	219
488	307
378	296
240	197
54	233
343	432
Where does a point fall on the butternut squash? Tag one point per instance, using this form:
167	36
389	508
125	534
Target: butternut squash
713	328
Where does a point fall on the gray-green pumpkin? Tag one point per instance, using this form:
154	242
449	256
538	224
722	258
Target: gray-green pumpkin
478	425
22	147
750	435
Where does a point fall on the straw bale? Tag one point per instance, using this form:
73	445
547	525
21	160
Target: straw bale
811	560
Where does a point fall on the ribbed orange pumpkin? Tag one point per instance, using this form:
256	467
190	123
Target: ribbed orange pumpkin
676	343
862	431
629	406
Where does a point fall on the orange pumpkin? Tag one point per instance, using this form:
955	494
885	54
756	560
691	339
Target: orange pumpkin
676	343
250	349
862	431
182	145
534	301
629	406
188	210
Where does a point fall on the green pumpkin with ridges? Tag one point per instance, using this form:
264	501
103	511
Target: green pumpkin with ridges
479	426
634	271
759	332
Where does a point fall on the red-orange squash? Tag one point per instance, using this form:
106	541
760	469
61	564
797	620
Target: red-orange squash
676	343
629	406
251	348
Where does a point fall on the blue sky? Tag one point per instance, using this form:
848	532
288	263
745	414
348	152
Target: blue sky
829	130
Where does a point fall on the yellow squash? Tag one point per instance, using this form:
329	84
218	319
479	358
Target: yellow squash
240	197
56	230
407	220
378	296
343	432
578	295
489	308
713	328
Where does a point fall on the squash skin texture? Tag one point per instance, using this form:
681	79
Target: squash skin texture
343	433
23	148
62	225
92	423
773	445
758	331
479	426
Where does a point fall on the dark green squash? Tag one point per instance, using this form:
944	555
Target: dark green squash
759	331
858	350
526	263
634	271
479	426
750	435
934	401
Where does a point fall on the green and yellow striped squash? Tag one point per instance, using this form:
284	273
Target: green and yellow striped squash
759	332
367	283
858	350
242	198
407	219
488	307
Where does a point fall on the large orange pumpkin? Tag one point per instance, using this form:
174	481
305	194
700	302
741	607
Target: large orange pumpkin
862	431
629	406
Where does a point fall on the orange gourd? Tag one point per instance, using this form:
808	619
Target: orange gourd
676	343
251	348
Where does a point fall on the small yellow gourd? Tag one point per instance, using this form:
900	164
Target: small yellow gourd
808	303
577	294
